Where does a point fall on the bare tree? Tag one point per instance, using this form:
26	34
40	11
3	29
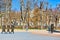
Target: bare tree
41	13
28	11
22	11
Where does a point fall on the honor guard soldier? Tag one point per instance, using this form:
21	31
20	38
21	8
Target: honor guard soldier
52	28
12	27
8	28
3	28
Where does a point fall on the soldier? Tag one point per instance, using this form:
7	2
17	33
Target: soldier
52	28
12	27
8	28
3	28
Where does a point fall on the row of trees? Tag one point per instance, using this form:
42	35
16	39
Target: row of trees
42	14
33	13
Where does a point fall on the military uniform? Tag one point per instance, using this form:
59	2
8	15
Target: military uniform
3	28
8	28
12	28
52	28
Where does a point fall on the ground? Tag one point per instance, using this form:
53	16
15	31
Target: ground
26	35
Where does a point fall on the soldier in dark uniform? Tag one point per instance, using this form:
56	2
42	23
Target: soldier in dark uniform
12	27
3	28
52	28
8	28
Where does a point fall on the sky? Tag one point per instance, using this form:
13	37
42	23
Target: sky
16	4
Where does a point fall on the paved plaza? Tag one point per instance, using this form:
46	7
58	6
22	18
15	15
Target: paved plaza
26	36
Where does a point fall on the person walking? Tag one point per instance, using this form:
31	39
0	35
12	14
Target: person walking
3	28
52	28
8	28
26	27
12	27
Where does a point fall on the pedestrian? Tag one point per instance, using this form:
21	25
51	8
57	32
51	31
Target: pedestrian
52	28
8	28
49	28
12	27
26	27
3	28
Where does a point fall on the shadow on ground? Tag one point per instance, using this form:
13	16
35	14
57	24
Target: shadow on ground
57	31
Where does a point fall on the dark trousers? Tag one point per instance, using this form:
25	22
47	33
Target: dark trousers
8	30
52	30
12	30
3	30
